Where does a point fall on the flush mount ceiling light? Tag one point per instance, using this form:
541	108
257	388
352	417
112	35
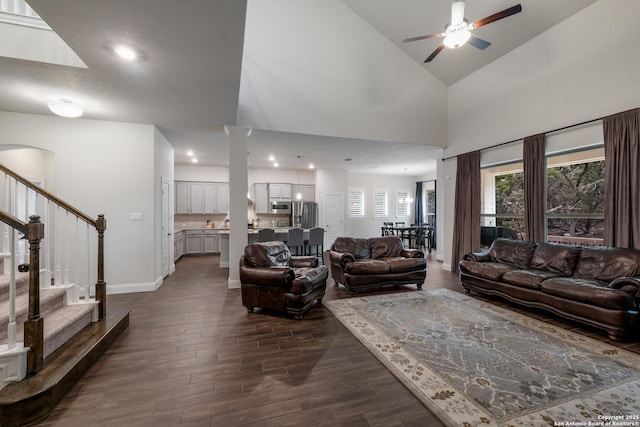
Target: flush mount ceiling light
65	108
194	160
126	52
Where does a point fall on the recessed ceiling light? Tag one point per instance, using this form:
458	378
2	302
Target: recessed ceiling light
126	52
348	159
190	153
271	158
65	108
311	166
275	164
194	160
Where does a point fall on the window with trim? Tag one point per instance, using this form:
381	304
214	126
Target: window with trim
575	197
380	203
502	210
356	202
403	203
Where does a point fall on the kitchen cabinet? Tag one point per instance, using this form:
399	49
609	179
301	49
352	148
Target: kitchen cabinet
261	198
178	245
210	242
308	192
201	198
193	242
280	192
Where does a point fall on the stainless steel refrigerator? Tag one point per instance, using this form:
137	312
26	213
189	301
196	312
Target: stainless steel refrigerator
304	214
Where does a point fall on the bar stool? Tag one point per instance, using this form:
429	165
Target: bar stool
266	235
295	239
316	238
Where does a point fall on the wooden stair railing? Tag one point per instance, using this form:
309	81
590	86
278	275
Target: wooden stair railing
35	230
33	326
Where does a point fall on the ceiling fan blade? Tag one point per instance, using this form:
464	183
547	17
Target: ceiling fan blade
434	53
430	36
497	16
478	42
457	12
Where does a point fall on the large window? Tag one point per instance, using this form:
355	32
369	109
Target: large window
575	197
502	211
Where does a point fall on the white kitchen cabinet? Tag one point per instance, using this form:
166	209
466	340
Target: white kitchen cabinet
194	242
280	191
210	242
308	192
202	198
182	198
261	198
178	245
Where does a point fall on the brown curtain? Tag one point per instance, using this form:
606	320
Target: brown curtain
622	179
466	223
534	187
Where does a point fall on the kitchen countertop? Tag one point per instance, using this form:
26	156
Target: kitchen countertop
226	230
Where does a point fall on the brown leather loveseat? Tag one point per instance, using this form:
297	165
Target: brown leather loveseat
360	264
598	286
272	279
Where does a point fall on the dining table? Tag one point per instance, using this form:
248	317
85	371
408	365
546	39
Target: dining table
410	235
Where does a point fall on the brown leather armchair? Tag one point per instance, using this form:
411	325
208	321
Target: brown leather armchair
272	279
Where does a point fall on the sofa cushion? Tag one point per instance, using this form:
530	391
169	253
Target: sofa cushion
367	266
402	265
307	279
486	270
588	291
387	246
607	264
359	248
556	258
513	252
267	254
527	278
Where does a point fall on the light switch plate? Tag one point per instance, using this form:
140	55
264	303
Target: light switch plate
136	216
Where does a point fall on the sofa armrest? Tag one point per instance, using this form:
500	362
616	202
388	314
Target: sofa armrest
630	285
412	253
267	276
303	261
341	258
477	257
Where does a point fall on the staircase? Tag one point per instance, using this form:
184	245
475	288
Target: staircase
53	321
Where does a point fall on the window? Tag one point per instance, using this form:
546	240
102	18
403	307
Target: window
356	202
403	203
502	211
380	203
575	197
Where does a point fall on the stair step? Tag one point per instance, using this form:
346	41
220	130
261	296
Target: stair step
22	285
64	323
50	300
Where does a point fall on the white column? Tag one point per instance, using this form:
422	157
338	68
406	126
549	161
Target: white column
238	186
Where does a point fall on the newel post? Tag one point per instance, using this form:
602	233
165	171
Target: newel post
33	326
101	285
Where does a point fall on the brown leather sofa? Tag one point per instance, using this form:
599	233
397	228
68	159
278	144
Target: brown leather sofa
360	264
272	279
598	286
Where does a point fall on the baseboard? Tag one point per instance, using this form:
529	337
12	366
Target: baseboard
446	267
129	288
233	284
439	257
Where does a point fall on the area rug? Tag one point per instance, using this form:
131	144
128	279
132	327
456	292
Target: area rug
475	364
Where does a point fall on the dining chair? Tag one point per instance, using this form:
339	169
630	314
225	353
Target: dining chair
387	229
295	239
316	239
266	235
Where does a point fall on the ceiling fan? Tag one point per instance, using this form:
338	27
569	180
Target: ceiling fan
458	32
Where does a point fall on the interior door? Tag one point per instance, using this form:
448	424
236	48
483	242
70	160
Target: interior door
165	232
334	217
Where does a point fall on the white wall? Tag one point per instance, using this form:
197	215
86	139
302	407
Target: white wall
584	68
315	67
105	168
29	163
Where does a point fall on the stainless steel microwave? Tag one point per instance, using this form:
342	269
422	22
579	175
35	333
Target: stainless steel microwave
278	207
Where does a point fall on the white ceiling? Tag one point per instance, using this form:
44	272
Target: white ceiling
187	82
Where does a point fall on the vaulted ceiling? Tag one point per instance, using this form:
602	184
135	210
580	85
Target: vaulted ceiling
323	79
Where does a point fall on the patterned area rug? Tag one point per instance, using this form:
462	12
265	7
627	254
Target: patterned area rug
475	364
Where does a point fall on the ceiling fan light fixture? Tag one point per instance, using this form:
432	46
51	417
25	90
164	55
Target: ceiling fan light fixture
456	37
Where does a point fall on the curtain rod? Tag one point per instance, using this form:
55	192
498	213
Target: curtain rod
520	139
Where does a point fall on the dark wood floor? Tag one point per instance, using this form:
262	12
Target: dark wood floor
193	356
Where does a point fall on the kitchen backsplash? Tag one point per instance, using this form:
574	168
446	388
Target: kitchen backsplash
200	221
